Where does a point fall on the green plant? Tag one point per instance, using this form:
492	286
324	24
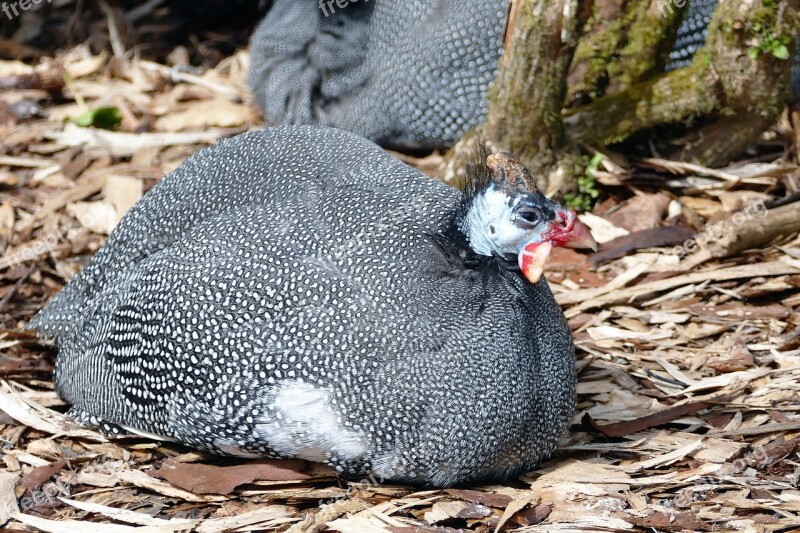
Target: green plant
766	40
768	43
106	118
587	193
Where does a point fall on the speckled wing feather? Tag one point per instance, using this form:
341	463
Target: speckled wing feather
305	64
251	171
692	32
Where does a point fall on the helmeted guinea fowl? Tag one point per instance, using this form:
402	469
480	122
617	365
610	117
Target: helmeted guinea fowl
692	32
404	73
298	292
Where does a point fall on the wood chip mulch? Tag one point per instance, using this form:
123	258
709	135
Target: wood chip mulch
687	345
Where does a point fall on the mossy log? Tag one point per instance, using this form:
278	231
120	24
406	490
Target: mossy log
624	42
736	77
738	82
682	93
525	100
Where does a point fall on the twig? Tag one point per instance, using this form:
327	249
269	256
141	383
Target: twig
113	32
783	221
16	287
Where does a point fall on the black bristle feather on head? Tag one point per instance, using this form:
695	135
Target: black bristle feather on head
476	178
476	171
481	169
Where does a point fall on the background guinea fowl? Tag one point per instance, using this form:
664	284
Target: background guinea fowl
299	292
408	74
404	73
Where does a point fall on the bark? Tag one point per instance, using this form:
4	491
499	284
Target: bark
526	98
625	42
735	82
669	98
724	81
794	118
718	143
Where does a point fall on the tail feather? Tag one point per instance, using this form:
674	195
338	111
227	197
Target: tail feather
58	318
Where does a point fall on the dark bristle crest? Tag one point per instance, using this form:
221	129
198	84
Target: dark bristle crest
476	171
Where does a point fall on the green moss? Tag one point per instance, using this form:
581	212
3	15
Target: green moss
627	50
720	83
669	98
762	32
766	34
766	29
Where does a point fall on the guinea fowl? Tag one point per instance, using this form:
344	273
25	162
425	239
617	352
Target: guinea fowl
404	73
298	292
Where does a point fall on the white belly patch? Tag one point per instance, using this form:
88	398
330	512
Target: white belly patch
307	425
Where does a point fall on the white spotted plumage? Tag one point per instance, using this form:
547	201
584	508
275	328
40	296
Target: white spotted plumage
286	265
410	73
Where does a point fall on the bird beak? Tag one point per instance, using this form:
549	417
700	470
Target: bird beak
580	237
566	230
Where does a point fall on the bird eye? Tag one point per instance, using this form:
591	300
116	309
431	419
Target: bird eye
528	216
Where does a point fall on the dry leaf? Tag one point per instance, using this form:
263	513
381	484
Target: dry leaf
34	479
196	115
650	238
602	230
442	511
516	505
642	212
99	217
8	499
209	479
122	192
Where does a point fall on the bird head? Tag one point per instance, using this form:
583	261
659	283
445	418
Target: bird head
506	216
